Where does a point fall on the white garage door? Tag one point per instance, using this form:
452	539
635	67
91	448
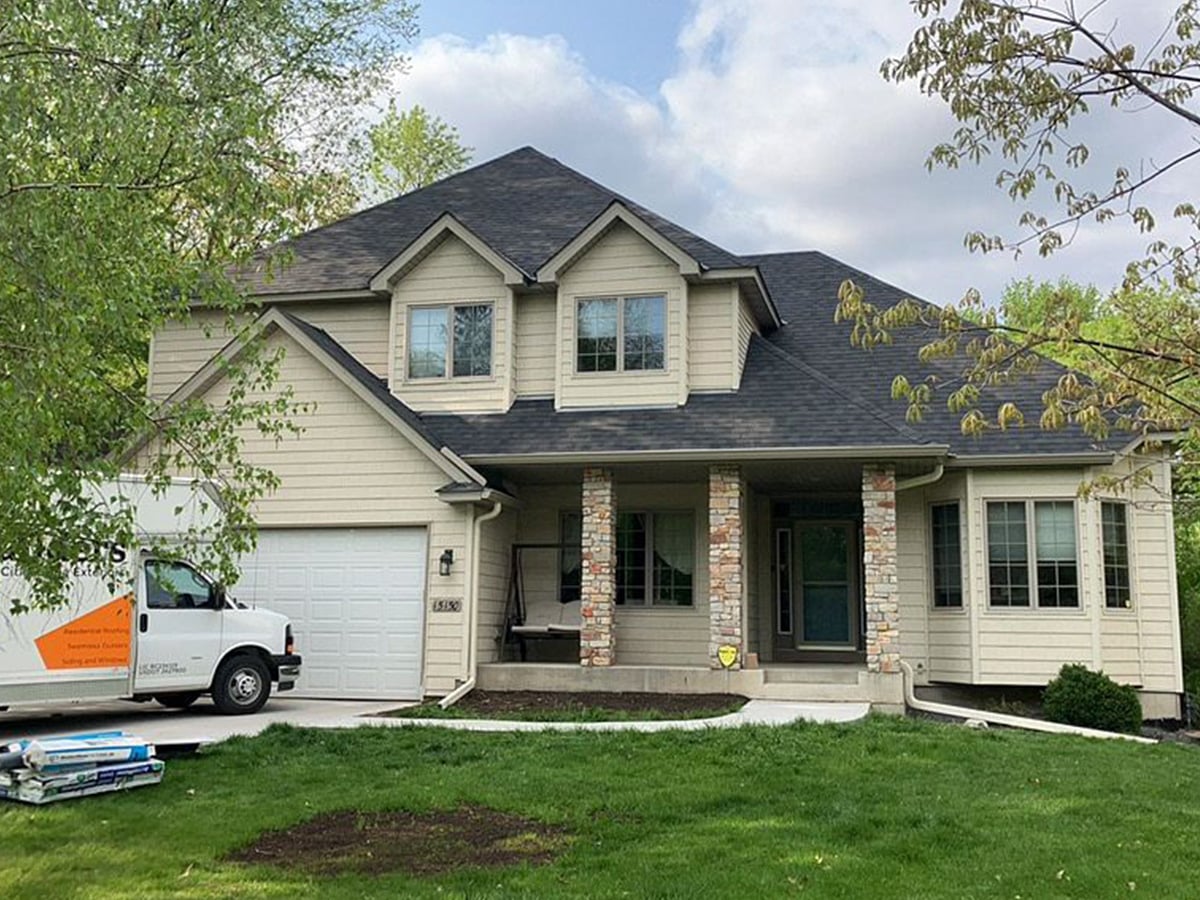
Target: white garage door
356	599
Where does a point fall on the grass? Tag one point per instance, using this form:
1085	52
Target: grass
885	808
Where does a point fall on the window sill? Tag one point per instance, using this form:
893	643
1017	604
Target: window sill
631	373
449	380
1080	611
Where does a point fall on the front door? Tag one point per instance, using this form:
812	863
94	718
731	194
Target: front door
816	587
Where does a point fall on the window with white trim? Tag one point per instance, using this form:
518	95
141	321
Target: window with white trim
450	339
1052	581
621	334
656	553
1114	519
656	558
946	546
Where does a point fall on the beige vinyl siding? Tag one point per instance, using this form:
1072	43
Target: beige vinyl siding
650	636
350	467
1155	603
536	320
495	555
453	273
912	582
746	328
622	263
711	337
360	326
181	348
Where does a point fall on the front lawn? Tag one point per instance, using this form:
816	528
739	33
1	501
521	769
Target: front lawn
884	808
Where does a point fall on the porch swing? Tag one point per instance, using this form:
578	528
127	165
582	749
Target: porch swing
517	628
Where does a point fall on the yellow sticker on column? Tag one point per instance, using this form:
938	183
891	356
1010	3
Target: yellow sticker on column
727	655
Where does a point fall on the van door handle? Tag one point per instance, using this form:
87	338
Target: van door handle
143	622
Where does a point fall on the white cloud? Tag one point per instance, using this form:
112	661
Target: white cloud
775	131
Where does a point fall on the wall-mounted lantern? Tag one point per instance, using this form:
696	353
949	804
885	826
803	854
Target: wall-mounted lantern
445	561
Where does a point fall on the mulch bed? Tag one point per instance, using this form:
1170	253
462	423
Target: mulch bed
430	843
495	704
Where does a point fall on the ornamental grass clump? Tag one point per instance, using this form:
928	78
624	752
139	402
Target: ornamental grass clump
1079	696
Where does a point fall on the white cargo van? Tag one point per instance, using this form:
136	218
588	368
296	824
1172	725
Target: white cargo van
166	632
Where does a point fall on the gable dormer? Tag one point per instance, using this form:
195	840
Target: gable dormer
639	322
452	328
621	325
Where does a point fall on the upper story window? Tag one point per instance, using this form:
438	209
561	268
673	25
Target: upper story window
1053	579
946	544
450	339
621	334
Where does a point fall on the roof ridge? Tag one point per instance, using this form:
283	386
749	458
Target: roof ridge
390	200
631	204
828	382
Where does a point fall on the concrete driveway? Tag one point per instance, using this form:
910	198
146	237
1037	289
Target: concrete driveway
199	723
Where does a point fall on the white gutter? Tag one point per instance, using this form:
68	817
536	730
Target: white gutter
992	718
884	451
921	480
470	611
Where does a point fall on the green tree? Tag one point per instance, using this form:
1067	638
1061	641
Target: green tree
408	150
1017	74
147	148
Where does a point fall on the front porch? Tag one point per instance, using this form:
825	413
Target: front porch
774	580
813	682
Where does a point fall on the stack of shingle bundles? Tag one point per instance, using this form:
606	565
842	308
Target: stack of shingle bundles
44	770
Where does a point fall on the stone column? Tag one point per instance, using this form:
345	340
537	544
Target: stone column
725	531
879	565
598	569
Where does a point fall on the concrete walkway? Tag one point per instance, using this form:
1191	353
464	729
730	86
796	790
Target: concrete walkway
203	724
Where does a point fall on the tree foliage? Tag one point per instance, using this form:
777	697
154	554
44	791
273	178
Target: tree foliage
1017	74
408	150
147	147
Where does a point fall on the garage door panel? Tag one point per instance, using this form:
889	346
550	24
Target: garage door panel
356	601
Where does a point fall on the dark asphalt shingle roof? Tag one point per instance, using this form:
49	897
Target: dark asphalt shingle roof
524	205
804	385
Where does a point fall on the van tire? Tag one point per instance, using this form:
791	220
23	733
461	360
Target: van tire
178	700
242	685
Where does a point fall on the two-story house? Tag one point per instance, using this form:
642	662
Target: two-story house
558	442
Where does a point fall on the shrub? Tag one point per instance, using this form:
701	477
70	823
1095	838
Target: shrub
1079	696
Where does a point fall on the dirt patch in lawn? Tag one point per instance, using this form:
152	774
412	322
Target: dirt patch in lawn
584	706
430	843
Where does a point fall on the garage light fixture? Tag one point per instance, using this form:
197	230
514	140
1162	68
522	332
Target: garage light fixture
445	561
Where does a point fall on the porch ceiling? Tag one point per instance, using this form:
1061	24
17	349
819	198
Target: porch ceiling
765	476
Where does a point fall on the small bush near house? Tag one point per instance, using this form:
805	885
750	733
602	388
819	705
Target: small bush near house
1079	696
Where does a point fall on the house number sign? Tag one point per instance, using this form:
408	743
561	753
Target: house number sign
447	605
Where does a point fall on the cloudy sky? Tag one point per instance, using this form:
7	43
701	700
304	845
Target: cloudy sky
761	124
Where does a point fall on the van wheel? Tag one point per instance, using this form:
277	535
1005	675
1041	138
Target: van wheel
242	685
180	700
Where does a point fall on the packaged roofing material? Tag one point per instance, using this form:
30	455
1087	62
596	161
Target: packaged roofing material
43	770
36	787
65	753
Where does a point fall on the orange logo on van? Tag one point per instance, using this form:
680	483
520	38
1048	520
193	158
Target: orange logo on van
101	639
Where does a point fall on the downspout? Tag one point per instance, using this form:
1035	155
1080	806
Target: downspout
471	611
921	480
992	718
